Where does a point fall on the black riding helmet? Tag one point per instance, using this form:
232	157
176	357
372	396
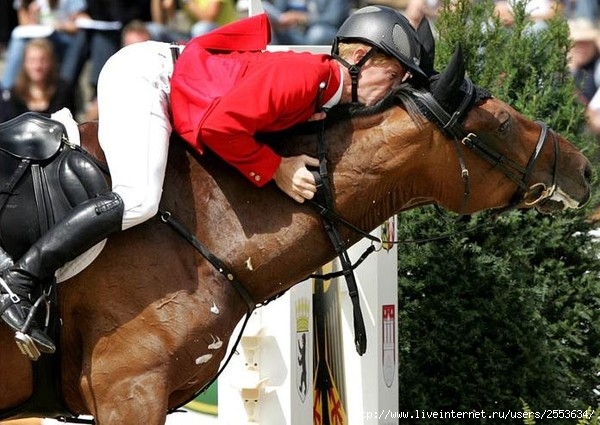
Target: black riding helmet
386	30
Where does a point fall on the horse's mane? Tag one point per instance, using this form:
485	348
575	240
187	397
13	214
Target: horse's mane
399	96
402	96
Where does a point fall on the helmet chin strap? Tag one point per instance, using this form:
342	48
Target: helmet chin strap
354	70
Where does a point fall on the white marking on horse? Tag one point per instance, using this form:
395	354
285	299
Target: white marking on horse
216	344
203	359
560	196
249	264
214	309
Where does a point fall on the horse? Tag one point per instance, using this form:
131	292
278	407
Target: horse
145	326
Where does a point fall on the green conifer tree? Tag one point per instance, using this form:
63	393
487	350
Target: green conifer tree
509	311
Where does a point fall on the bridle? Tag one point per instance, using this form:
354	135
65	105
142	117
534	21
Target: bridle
521	175
451	125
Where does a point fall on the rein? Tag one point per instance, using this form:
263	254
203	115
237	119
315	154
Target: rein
450	124
324	204
329	222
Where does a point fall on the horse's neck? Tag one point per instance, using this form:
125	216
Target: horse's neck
387	168
270	241
273	242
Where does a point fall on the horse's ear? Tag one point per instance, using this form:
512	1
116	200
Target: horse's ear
427	47
447	84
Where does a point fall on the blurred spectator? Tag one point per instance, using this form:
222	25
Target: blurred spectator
38	86
538	10
207	15
164	24
592	114
99	37
8	20
309	22
584	58
134	32
416	10
582	9
54	19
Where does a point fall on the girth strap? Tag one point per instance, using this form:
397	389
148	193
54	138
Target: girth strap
167	217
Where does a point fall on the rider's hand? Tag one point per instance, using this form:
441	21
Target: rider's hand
294	179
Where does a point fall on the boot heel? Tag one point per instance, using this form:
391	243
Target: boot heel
27	345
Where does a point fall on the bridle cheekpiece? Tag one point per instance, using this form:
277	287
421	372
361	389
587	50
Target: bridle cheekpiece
450	123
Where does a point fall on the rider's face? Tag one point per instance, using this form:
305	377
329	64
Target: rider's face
377	78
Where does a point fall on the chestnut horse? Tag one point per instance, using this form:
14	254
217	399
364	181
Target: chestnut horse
146	325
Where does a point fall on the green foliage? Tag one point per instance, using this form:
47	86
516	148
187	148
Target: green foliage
511	309
528	420
525	68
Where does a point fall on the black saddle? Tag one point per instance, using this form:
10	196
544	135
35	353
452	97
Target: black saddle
42	177
32	136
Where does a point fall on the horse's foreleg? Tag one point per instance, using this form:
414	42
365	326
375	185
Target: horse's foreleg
128	398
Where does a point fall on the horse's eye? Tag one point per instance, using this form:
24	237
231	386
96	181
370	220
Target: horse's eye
504	126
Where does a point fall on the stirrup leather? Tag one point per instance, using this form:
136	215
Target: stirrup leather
13	297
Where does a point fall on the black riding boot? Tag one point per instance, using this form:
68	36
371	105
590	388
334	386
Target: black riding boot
83	227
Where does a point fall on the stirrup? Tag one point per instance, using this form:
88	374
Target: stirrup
23	339
27	345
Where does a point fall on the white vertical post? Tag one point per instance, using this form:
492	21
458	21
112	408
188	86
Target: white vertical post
270	382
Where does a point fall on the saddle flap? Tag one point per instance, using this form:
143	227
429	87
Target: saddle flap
32	136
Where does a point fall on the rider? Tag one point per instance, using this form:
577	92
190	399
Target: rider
223	90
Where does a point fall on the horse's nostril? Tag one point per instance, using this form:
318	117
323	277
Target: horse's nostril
588	175
588	172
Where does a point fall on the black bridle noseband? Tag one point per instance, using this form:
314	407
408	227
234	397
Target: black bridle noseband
450	124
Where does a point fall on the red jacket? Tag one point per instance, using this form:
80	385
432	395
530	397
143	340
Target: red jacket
222	98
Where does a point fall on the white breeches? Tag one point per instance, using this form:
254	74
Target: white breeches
135	126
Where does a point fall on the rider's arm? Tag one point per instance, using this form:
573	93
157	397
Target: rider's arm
276	99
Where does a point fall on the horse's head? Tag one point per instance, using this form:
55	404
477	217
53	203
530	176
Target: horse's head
451	144
521	163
